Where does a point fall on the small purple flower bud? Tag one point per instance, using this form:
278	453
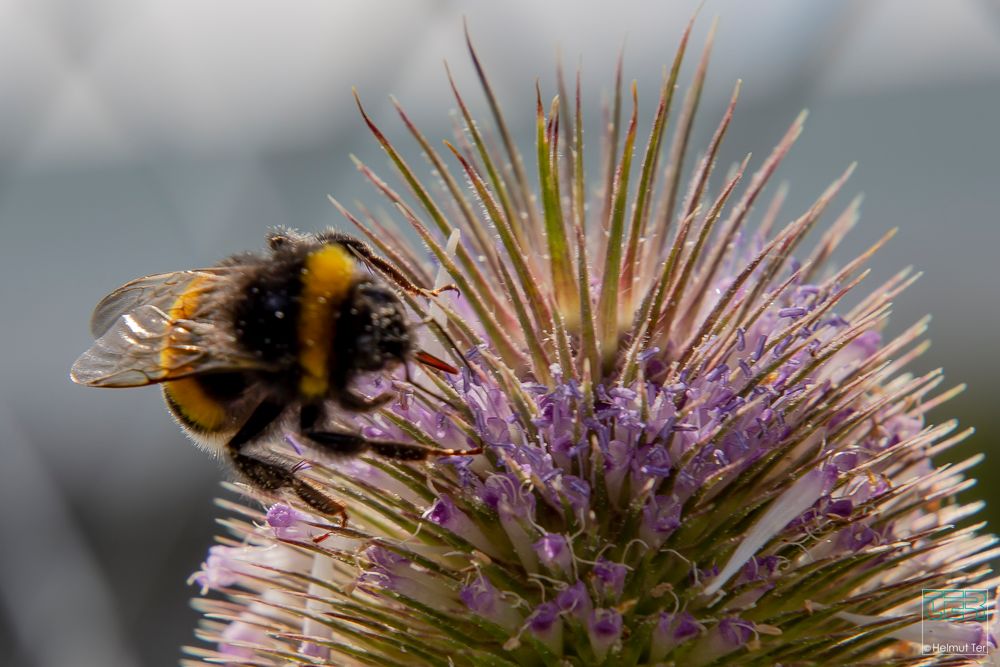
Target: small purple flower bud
445	514
504	494
617	460
386	569
496	431
577	492
543	618
735	632
281	516
545	624
609	578
483	598
855	537
685	627
288	523
728	635
759	568
670	631
575	600
554	552
654	462
604	626
391	571
660	517
516	507
385	559
220	570
842	507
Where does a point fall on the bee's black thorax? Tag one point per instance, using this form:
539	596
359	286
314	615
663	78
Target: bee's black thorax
223	386
266	314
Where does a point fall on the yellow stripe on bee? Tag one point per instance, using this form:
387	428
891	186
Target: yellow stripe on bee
326	278
195	405
187	394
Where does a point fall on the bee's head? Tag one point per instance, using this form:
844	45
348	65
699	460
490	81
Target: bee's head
372	328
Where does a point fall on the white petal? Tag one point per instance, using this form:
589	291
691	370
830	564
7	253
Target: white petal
786	507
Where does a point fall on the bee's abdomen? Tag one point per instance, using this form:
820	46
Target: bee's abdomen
204	403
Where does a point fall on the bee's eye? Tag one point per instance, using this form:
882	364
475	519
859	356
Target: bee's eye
277	239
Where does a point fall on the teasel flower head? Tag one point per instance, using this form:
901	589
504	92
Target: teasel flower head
698	446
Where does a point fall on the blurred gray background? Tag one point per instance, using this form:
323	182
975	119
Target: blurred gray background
139	137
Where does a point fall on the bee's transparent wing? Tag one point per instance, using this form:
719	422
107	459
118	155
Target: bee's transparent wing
146	346
160	290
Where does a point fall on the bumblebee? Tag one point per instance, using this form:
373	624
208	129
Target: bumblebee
243	348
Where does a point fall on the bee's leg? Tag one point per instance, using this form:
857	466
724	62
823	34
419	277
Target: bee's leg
310	414
270	476
319	501
359	403
311	417
363	251
346	442
336	442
